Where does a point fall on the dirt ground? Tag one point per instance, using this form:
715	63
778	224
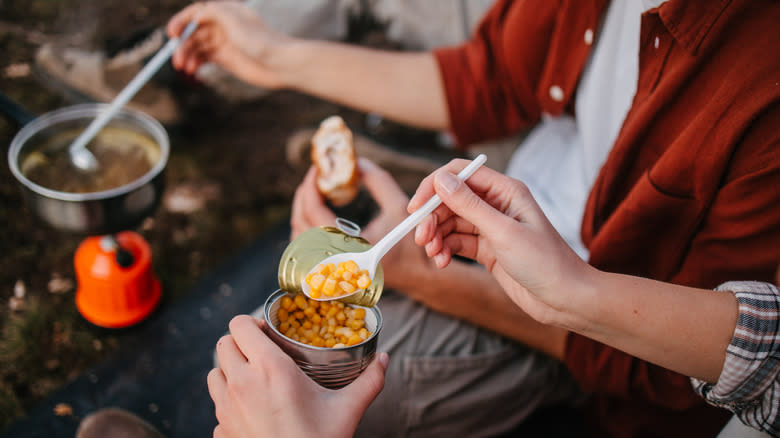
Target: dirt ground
229	155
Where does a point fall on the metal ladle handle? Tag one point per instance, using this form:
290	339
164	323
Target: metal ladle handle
83	158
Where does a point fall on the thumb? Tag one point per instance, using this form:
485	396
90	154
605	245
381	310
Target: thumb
369	383
459	197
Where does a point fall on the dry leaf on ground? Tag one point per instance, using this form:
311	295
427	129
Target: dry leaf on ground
190	197
63	410
18	70
60	285
20	290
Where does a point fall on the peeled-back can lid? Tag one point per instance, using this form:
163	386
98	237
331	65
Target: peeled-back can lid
315	245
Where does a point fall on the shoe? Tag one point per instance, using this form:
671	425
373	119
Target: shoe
115	423
83	75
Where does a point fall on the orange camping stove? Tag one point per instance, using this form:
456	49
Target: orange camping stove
116	284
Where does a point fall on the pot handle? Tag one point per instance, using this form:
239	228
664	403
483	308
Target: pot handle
15	112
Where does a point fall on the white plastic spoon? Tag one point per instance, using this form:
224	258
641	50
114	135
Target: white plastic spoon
370	259
81	157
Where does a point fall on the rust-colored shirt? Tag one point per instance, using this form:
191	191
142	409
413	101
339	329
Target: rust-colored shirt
690	192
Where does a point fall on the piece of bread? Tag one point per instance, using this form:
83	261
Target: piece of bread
333	153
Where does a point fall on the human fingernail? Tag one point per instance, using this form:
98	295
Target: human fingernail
447	181
366	165
411	201
384	359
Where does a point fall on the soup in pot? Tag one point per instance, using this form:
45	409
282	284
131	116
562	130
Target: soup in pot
123	156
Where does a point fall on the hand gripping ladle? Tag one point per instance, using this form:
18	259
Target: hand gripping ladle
370	259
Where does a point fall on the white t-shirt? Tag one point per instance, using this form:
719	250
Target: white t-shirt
561	157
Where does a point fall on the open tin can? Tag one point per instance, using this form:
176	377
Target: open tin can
315	245
330	367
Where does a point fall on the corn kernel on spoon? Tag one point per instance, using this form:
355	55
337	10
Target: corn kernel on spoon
368	260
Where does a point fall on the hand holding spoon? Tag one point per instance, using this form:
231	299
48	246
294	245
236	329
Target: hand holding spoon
369	260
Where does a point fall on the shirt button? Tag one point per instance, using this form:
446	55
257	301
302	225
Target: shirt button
556	93
589	36
657	42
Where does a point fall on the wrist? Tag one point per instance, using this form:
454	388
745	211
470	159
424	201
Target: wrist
579	308
287	60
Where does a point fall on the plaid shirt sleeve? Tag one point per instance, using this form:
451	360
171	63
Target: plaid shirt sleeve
749	384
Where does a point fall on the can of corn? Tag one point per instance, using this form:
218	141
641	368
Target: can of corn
315	245
330	367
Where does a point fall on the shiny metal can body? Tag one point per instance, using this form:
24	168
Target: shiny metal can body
313	246
330	367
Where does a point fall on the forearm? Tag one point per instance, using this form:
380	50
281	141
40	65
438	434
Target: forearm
470	293
680	328
403	86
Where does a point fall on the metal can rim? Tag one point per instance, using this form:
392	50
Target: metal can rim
278	295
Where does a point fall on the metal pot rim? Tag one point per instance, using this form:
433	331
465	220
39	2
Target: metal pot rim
80	111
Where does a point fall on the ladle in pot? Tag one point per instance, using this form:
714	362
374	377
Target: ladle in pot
369	260
81	157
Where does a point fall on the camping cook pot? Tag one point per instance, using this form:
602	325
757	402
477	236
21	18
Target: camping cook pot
101	212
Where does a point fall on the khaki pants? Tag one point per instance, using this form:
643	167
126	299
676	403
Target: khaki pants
449	378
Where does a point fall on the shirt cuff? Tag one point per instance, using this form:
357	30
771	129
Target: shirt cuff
749	378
